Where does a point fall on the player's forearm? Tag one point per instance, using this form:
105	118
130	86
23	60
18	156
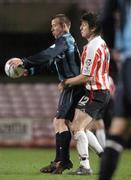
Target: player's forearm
81	79
45	57
36	60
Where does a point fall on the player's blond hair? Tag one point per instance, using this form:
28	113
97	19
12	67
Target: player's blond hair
63	19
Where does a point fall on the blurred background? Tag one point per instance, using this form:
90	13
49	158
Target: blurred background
28	105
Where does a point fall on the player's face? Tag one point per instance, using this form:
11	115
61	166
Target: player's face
86	32
56	28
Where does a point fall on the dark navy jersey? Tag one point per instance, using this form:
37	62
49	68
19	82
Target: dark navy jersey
63	55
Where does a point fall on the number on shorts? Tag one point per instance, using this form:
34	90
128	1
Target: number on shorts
83	101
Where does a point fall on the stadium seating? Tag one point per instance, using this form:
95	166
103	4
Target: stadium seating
26	113
28	100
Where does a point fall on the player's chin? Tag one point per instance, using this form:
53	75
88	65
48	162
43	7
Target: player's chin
82	34
55	35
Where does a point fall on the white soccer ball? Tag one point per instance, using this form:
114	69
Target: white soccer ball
13	72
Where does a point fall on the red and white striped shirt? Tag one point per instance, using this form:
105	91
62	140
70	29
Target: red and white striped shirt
95	63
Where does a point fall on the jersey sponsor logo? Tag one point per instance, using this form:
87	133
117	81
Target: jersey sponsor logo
88	62
86	67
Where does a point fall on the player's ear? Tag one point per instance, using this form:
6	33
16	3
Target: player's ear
93	29
65	27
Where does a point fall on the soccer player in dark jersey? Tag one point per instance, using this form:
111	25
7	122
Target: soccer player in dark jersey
64	56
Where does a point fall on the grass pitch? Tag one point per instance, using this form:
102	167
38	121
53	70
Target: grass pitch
24	164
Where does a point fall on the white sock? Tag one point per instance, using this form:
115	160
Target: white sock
93	142
82	148
100	134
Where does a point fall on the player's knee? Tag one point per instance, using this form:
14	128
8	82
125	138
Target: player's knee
56	122
60	125
79	135
118	126
75	128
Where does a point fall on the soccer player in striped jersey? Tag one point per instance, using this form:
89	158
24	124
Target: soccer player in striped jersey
95	75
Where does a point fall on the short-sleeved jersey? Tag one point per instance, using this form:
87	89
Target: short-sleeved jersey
95	63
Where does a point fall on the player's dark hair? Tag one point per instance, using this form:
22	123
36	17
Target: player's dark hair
63	19
93	21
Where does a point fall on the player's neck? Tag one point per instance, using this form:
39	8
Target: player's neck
91	37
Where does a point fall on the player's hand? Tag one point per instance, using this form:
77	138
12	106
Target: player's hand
92	81
61	86
15	62
26	73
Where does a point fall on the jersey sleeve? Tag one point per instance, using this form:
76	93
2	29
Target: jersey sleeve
46	56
